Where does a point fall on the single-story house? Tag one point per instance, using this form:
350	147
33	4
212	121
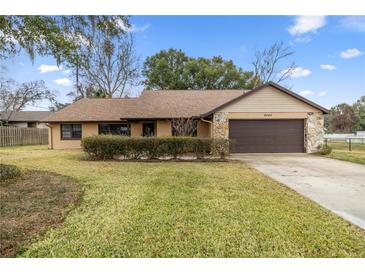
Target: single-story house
25	119
269	118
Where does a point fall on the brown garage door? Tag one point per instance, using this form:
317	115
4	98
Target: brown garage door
264	136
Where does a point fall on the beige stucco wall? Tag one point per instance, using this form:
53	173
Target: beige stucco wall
203	129
268	99
136	129
267	115
88	129
163	128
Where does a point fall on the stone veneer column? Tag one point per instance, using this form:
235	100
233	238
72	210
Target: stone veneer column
220	125
314	132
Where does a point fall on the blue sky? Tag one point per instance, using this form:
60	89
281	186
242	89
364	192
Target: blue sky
329	51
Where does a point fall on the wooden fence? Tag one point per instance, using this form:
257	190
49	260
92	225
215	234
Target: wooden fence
14	136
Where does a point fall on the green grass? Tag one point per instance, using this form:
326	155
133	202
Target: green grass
174	209
340	151
31	204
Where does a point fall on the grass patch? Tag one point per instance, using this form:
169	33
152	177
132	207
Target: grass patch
32	204
8	172
340	151
174	209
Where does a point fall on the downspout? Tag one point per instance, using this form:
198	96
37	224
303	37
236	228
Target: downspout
51	134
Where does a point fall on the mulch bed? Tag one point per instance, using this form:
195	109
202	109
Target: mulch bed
32	204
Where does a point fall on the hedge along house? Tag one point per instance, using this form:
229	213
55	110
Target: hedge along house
267	119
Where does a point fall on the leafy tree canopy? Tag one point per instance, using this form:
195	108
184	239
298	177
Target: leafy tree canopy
345	118
173	69
359	109
342	119
58	36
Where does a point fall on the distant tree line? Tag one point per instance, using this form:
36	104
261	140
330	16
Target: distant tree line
345	118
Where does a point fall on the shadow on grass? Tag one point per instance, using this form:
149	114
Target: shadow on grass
31	205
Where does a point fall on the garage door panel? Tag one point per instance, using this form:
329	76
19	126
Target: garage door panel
261	136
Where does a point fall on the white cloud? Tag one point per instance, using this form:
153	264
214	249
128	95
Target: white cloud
303	40
298	72
48	68
328	67
322	93
52	68
350	53
306	93
306	24
63	82
132	28
135	28
356	23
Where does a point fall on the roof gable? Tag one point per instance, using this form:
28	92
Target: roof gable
256	101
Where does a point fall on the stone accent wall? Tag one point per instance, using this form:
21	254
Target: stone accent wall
314	132
220	125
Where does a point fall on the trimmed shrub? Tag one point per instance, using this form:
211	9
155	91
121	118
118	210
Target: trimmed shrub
104	147
325	150
8	172
221	147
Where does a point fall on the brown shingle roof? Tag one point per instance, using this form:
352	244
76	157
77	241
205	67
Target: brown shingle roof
151	104
158	104
25	116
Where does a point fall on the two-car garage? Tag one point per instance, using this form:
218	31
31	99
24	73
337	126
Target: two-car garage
267	136
270	119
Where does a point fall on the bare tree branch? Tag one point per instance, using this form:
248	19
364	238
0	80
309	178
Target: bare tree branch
184	126
266	64
109	64
15	97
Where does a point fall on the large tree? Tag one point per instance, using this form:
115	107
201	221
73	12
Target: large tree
15	97
359	109
173	69
77	42
342	119
37	35
57	36
216	73
104	58
108	64
166	70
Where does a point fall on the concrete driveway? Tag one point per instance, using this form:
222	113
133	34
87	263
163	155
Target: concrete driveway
336	185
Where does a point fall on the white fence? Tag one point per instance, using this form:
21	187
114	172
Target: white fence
358	137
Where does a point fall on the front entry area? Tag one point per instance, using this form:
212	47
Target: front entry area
267	136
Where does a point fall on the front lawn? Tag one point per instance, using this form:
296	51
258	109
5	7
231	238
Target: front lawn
184	209
340	151
30	205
